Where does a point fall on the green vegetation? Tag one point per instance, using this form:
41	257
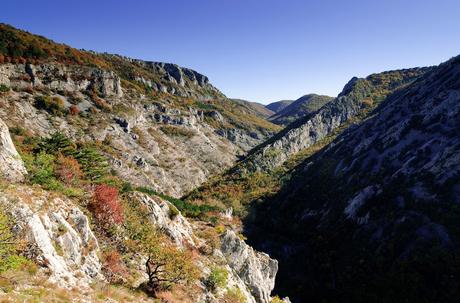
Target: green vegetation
4	88
187	209
53	105
217	278
234	295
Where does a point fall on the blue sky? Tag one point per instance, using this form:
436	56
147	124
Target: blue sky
263	50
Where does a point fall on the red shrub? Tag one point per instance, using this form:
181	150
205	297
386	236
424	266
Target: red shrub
106	205
114	267
73	110
68	170
2	59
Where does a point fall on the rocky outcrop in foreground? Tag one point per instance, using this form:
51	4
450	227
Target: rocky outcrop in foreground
256	269
11	165
58	235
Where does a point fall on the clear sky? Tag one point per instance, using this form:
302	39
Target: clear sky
264	50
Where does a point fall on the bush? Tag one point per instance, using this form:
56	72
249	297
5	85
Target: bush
106	206
276	299
53	105
173	211
68	170
93	163
234	295
74	110
114	267
4	88
217	278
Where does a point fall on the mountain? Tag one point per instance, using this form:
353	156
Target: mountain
278	105
373	216
94	151
301	107
256	109
147	114
266	167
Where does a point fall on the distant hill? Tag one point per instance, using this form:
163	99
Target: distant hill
255	108
279	105
299	108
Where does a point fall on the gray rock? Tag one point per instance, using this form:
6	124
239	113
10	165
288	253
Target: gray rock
11	165
256	269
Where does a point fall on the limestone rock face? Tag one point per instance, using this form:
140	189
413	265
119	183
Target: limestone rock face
256	269
171	222
58	234
11	165
61	77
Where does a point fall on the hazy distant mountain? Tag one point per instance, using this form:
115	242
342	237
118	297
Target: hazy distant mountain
299	108
278	105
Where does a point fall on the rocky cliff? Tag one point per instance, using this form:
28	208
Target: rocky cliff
11	165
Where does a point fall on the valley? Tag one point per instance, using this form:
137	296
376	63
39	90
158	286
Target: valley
124	180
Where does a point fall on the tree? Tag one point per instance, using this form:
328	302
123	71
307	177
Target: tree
68	170
166	266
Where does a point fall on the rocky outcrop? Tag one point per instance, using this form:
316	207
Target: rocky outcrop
168	219
11	165
61	77
256	269
58	235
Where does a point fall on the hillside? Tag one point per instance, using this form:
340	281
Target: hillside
372	217
161	125
299	108
255	108
94	148
270	164
278	105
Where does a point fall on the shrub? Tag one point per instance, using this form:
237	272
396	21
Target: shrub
93	163
53	105
57	143
4	88
234	295
276	299
106	206
173	211
217	278
74	110
114	267
68	170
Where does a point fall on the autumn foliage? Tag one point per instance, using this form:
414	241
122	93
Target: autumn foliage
106	205
68	170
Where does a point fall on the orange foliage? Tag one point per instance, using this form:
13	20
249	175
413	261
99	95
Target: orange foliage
106	206
68	170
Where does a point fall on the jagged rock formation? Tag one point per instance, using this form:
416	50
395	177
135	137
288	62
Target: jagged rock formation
279	105
257	270
303	133
299	108
252	272
58	235
377	208
11	165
